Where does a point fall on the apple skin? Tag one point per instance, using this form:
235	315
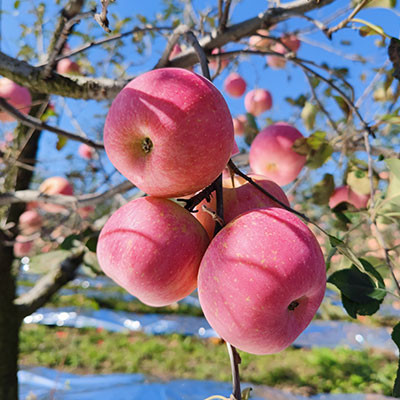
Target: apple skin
22	246
235	85
257	101
345	194
276	62
55	185
291	42
271	153
258	43
152	247
161	125
30	222
66	66
239	125
18	96
240	199
86	152
251	275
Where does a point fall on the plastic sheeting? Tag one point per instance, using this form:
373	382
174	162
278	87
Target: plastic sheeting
46	384
318	334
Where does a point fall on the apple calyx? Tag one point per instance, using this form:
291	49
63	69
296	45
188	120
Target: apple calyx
147	145
293	305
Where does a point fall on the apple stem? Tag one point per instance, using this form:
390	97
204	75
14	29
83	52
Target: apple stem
235	361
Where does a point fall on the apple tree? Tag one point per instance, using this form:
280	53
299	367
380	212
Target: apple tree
114	120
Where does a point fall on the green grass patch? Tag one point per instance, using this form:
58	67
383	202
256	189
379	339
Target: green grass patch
175	356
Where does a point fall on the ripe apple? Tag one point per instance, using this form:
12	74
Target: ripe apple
276	62
66	66
239	125
291	42
213	64
55	185
259	43
262	280
240	199
161	125
84	212
235	85
30	222
257	101
22	246
86	152
345	194
152	247
271	153
18	96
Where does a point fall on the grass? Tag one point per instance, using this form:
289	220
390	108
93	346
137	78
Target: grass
174	356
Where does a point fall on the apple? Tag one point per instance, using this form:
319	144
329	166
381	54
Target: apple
170	132
291	42
271	153
86	152
30	222
55	185
84	212
152	247
19	97
213	64
239	125
22	246
259	43
66	66
345	194
240	199
257	101
262	280
235	85
276	62
177	49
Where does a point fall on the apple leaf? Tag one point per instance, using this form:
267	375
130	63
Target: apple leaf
61	142
321	192
353	308
69	242
308	115
318	157
42	263
396	340
343	106
394	56
381	4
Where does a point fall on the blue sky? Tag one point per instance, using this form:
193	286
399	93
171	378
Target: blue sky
289	82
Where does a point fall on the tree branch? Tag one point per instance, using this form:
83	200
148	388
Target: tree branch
49	284
36	123
101	18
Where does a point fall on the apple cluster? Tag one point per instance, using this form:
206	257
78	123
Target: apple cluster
262	278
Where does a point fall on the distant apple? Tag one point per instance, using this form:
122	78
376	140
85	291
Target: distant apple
66	66
292	42
55	185
262	280
19	97
30	222
161	125
276	62
84	212
23	246
152	247
345	194
259	43
257	101
87	152
235	85
213	64
239	125
271	153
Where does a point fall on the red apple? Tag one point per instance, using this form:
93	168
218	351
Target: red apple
257	101
152	247
235	85
271	153
240	199
86	152
291	42
164	123
262	280
55	185
259	43
213	64
84	212
18	96
276	62
22	246
239	125
345	194
30	222
66	66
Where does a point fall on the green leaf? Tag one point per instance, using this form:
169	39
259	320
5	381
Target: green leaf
91	243
396	340
394	166
70	242
343	106
353	308
322	191
246	393
42	263
61	142
17	4
308	114
318	157
369	28
381	4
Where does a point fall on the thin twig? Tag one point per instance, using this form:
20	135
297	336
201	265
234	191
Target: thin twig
36	123
223	19
101	18
192	39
